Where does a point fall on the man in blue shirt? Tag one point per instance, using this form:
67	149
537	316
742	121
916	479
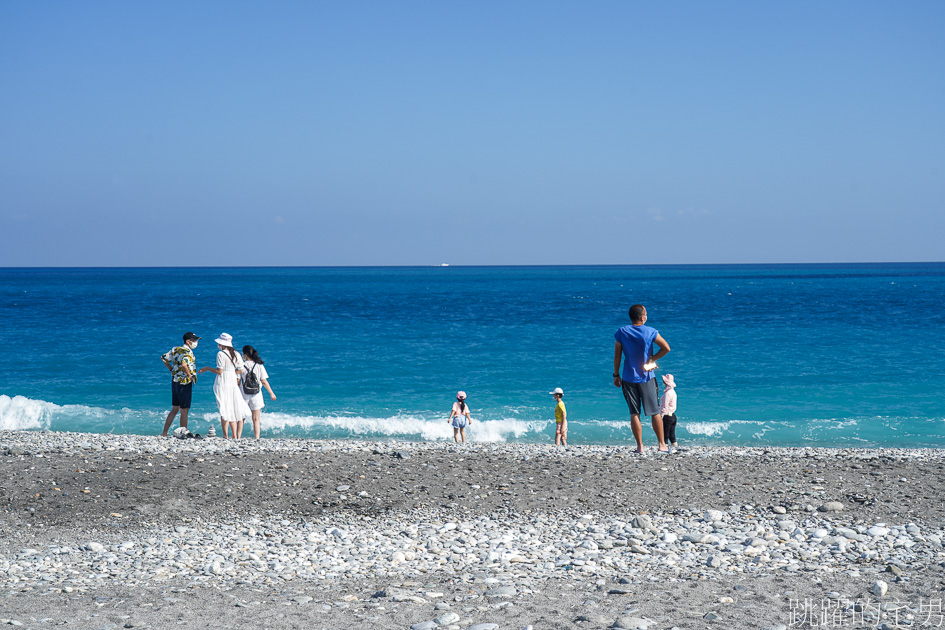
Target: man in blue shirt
635	344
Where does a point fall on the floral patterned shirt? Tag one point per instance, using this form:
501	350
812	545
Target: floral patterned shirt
178	358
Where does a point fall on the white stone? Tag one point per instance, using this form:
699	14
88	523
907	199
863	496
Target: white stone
447	618
628	622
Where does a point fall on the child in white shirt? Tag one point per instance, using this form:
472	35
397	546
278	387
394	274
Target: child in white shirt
668	409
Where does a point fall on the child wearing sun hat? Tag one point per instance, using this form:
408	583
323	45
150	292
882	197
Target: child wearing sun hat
668	409
459	417
561	418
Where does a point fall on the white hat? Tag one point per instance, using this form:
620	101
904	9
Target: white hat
668	380
225	339
558	390
461	395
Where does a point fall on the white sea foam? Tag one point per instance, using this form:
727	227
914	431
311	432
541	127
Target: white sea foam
407	427
833	425
710	429
20	413
610	424
705	428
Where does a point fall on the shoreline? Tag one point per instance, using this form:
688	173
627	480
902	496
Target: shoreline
111	441
506	533
910	433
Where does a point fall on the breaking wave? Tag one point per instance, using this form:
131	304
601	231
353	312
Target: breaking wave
404	427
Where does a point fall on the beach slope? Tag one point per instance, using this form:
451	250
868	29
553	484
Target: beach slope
106	531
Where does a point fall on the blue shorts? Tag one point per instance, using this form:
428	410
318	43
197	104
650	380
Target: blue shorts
460	422
181	394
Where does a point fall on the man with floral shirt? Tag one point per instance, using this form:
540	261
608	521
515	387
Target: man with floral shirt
180	361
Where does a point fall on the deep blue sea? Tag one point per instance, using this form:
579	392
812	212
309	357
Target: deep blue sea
825	355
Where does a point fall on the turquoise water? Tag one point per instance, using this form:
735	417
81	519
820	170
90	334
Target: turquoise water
829	355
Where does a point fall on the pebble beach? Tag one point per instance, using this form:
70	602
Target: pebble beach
121	531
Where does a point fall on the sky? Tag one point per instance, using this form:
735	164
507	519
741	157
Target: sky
487	133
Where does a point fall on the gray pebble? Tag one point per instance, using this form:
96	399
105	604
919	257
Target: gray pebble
632	623
446	619
597	620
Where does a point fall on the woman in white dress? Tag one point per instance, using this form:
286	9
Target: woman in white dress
254	365
226	386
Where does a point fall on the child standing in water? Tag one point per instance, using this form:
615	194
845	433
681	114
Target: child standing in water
561	418
459	417
668	409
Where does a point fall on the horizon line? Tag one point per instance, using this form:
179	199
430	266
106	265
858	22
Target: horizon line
469	266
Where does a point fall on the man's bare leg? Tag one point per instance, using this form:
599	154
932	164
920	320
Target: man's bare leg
169	420
658	430
183	417
637	429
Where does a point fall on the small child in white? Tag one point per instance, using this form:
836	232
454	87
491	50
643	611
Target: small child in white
668	409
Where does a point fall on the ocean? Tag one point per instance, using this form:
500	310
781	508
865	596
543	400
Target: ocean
763	355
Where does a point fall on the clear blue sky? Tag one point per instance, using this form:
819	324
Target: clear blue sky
389	133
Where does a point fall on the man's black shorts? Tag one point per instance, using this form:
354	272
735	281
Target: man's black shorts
181	394
645	393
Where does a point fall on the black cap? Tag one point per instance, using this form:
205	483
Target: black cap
190	337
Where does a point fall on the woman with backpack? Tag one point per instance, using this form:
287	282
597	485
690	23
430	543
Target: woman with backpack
255	378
